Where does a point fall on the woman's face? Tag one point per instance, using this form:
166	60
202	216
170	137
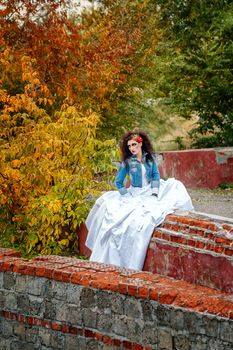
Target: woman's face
134	147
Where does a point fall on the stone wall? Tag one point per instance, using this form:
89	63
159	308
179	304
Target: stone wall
54	302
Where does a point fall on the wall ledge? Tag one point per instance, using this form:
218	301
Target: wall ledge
54	302
140	284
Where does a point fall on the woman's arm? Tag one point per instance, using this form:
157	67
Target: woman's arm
155	178
120	177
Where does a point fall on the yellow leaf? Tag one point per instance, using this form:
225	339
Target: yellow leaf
64	242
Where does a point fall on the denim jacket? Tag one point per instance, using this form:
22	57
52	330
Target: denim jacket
132	167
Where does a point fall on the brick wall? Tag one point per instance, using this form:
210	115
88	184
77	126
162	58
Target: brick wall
206	168
54	302
195	248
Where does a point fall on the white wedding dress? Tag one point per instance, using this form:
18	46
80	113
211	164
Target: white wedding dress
120	227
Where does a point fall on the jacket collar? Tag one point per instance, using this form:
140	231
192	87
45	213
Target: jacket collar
133	157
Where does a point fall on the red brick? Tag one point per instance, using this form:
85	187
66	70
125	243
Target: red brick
171	217
213	227
189	300
9	252
103	280
30	320
99	336
73	330
107	340
57	275
210	236
8	264
169	225
76	277
227	227
229	251
222	240
95	283
89	334
200	244
127	344
146	276
19	266
183	220
81	332
174	239
200	223
157	234
40	272
183	241
117	342
143	292
200	233
165	236
47	272
46	324
193	231
86	280
123	288
168	296
220	307
24	268
219	249
66	276
37	321
132	290
113	286
153	294
209	246
56	326
191	242
65	328
10	315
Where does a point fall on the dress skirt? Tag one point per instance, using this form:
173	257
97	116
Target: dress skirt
120	227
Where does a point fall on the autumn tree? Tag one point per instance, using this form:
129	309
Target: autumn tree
88	58
130	102
48	167
58	77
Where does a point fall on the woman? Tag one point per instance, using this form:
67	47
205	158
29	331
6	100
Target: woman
121	222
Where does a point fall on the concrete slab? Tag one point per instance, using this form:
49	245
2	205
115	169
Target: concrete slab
216	202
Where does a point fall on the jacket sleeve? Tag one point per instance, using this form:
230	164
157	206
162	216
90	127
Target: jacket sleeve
120	177
155	177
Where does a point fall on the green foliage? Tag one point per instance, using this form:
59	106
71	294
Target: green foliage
178	140
226	185
194	66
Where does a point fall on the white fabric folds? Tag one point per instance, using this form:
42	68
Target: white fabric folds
120	227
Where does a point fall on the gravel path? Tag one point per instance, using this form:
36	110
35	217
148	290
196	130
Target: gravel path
217	202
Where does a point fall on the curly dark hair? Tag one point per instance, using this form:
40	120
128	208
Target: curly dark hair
146	145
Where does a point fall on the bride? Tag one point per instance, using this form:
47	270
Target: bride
121	223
